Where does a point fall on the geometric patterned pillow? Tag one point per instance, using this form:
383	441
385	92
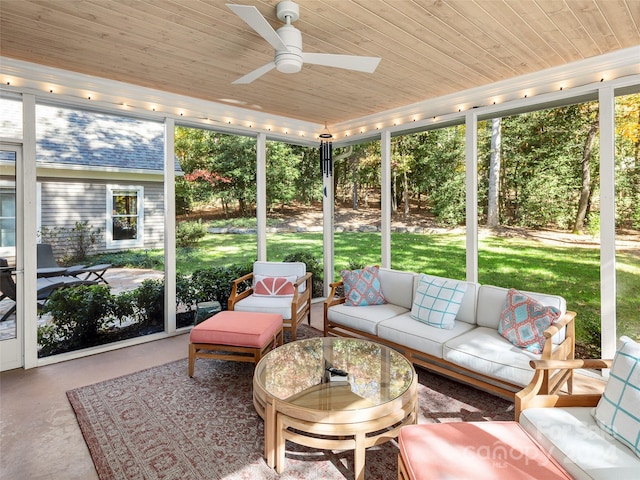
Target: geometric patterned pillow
618	411
437	301
523	321
362	287
273	286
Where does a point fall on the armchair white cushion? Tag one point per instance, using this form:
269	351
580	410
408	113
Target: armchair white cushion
293	308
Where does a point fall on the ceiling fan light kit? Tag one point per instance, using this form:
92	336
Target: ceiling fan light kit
287	43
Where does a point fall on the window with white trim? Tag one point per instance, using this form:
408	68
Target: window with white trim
7	218
125	216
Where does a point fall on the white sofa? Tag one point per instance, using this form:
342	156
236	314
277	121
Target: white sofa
565	427
473	351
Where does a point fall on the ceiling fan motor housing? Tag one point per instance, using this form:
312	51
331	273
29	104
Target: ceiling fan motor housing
288	9
290	60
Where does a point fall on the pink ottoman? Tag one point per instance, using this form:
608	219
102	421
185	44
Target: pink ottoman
238	336
474	450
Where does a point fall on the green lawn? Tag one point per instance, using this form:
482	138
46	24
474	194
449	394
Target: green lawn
570	271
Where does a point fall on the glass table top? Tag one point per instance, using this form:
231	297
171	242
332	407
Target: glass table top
298	373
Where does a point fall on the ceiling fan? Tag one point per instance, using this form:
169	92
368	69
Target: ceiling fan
287	41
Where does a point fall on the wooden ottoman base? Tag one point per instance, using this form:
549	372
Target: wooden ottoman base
481	450
235	336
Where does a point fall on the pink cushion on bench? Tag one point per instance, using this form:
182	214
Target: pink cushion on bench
475	450
241	329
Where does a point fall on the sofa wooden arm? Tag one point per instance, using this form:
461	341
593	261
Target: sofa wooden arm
235	297
553	380
331	300
567	319
533	397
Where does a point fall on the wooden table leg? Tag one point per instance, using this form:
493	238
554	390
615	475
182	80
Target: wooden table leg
280	444
269	432
359	456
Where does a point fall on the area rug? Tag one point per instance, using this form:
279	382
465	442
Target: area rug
160	424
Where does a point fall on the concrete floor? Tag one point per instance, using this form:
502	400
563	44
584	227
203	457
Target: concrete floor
39	434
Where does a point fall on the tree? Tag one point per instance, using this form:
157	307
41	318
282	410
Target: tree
585	190
493	210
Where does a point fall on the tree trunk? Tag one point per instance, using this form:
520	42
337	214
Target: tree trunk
585	190
493	212
405	181
354	174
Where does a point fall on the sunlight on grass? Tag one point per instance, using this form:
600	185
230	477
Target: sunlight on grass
569	271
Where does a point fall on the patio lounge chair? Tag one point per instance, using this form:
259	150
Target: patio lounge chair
46	287
48	267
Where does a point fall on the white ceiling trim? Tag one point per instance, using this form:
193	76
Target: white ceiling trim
61	86
563	79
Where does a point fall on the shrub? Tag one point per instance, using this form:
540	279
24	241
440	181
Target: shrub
78	315
149	302
215	283
132	259
188	233
314	267
73	243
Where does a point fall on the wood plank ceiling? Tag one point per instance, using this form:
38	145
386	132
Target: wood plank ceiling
429	48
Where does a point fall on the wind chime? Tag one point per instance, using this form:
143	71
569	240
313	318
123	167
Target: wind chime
326	152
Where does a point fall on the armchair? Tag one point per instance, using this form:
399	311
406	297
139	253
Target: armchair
565	425
276	287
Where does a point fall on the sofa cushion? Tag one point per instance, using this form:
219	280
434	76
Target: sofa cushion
618	411
365	318
572	437
491	300
474	450
485	351
437	301
397	286
362	287
419	336
523	321
273	286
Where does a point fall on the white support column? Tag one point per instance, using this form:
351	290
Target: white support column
261	195
169	226
328	202
26	236
471	185
385	199
607	222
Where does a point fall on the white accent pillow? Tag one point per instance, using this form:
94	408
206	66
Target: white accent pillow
618	411
437	301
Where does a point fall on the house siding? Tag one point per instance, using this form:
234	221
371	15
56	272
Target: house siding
65	202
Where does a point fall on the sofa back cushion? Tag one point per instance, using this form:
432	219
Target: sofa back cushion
397	286
467	312
491	301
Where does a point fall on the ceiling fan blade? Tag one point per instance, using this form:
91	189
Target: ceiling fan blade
252	17
257	73
349	62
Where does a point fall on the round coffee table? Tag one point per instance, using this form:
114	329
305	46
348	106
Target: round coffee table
302	401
